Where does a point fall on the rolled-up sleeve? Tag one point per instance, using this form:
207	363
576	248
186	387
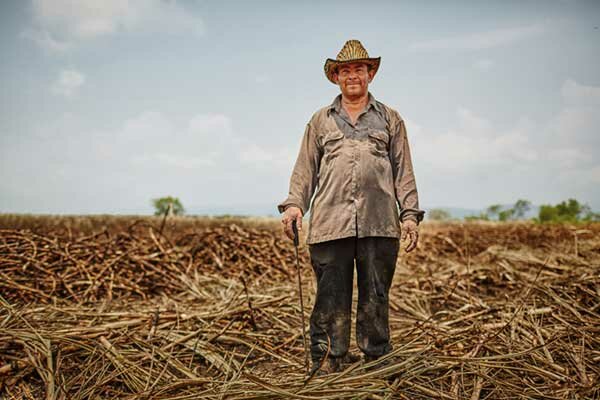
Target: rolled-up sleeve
404	179
303	181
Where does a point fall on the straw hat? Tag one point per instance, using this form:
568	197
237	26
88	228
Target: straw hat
353	51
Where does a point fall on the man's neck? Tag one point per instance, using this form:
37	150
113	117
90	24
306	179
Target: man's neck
355	103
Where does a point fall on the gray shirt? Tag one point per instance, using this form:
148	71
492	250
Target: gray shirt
361	175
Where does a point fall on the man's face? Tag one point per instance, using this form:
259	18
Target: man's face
353	78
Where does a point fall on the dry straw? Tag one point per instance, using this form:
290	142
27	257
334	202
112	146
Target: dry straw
209	310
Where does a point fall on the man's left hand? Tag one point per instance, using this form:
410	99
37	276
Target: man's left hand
410	229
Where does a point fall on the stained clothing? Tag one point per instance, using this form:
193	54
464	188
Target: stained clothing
359	174
333	264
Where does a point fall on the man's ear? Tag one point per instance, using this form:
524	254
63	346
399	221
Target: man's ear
335	77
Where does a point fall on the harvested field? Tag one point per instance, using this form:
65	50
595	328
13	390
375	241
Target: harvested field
113	307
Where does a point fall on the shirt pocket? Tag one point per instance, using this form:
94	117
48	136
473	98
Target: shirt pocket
332	144
379	141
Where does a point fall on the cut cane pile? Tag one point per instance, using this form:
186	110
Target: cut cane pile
122	308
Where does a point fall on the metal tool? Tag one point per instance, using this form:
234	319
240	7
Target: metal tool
296	243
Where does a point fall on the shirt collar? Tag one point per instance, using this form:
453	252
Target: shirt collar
336	105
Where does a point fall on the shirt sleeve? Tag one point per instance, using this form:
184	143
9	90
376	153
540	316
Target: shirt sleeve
303	181
404	179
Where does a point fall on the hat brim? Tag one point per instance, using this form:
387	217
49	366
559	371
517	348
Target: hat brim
331	64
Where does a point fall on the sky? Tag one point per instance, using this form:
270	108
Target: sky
105	105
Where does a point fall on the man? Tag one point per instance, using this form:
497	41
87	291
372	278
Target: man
354	157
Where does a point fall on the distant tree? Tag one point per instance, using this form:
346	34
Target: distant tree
571	209
566	211
591	216
493	210
520	208
162	205
482	216
438	214
517	211
547	213
506	215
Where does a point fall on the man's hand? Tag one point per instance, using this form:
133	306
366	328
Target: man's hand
290	214
410	229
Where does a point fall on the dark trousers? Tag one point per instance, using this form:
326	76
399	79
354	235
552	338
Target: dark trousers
333	264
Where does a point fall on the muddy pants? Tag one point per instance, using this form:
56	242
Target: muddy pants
333	264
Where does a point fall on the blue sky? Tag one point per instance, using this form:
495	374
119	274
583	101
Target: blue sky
106	105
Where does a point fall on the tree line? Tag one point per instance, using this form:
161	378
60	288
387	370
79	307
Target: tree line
566	211
570	210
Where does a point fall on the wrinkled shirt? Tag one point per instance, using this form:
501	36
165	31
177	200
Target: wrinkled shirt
361	174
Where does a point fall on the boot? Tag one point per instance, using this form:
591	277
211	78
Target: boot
350	358
330	366
367	359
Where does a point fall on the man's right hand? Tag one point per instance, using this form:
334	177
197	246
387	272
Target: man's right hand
290	214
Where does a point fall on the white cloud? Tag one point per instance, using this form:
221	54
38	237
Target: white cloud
578	121
152	137
483	64
203	159
483	40
549	158
203	124
68	83
59	24
261	79
258	155
43	39
580	176
153	140
473	144
568	157
568	139
173	160
254	153
581	95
